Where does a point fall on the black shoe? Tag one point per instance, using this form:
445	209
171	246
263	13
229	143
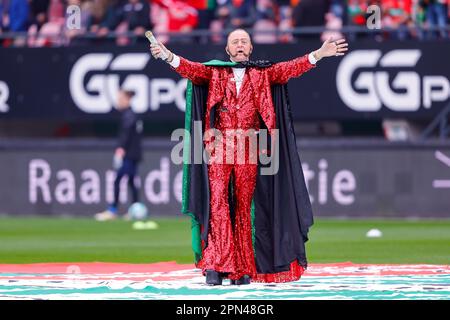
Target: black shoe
242	280
213	278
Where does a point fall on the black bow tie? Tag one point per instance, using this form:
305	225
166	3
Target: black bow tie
255	63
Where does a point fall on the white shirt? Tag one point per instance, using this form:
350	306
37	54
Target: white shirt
238	72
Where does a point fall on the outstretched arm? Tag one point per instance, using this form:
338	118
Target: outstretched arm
283	71
197	72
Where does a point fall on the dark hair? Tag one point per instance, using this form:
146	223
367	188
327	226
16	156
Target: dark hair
128	93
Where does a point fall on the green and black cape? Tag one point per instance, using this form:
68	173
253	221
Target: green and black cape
281	209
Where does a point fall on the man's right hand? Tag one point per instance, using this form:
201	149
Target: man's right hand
157	49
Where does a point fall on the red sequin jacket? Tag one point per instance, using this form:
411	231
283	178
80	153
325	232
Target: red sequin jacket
254	95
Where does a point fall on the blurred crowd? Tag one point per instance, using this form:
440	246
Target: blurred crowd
44	22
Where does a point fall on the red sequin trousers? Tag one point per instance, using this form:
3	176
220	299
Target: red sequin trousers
230	248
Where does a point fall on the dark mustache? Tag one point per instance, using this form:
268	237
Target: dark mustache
234	55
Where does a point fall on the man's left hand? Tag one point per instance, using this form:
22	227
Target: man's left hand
331	48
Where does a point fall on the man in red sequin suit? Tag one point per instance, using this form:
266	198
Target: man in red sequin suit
240	95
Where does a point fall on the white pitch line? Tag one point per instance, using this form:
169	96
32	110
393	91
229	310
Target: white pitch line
442	157
441	183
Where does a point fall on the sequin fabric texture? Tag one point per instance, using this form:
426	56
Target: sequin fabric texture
230	248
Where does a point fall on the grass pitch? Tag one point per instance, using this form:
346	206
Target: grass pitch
34	240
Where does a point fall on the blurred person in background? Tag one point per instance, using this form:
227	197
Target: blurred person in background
339	9
49	34
236	13
1	16
39	12
72	35
98	14
111	18
181	17
335	19
356	13
419	20
206	11
126	16
136	14
310	13
266	21
15	15
15	19
2	12
285	20
104	19
57	12
436	15
396	14
128	153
